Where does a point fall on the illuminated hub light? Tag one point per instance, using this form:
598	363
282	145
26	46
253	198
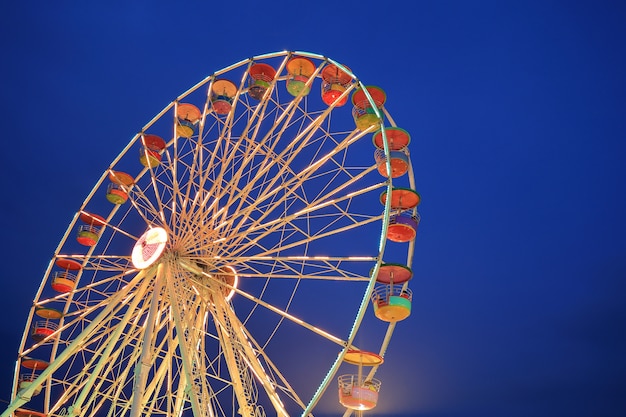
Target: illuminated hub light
149	247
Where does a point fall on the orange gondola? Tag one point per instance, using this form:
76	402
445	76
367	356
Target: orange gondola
222	96
117	190
187	118
65	280
44	328
34	366
300	70
392	303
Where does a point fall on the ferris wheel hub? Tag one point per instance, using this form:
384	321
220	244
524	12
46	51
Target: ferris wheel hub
149	247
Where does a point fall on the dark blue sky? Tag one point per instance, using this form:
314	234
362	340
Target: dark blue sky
517	113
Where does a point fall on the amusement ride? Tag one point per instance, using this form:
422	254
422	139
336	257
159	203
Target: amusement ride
229	259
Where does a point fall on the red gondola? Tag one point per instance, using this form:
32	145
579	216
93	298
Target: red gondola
150	152
261	76
334	83
364	111
89	233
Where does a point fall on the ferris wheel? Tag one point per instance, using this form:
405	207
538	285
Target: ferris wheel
231	258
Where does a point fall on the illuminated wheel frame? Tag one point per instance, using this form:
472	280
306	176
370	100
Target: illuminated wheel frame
273	230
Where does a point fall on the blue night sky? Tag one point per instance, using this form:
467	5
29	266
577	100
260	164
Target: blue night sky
517	112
